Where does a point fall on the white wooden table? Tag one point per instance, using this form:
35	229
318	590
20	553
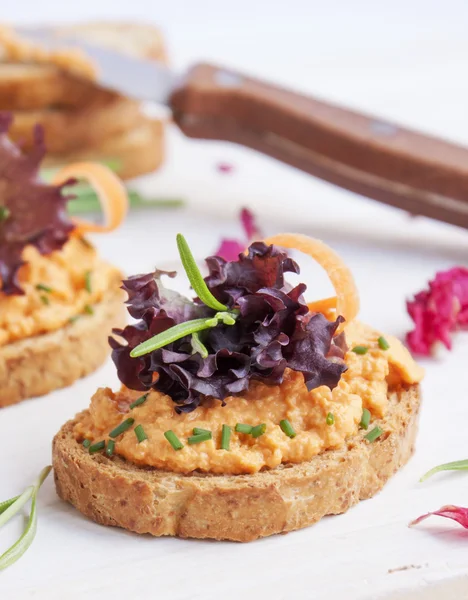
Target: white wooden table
407	63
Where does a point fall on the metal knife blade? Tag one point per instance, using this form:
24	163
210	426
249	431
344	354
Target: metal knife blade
131	76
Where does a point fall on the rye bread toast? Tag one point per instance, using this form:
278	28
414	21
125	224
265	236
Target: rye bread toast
33	87
40	364
240	508
135	152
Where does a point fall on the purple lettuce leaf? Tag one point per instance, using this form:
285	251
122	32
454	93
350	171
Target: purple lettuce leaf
273	332
34	213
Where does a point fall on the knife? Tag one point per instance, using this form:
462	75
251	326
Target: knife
420	174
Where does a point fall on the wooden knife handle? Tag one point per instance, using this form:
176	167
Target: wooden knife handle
364	154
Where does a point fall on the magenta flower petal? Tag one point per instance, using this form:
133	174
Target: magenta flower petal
230	249
456	513
224	167
252	232
439	311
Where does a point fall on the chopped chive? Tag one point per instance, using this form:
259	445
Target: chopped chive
74	319
201	437
225	437
287	428
330	419
44	288
45	300
110	448
258	430
198	430
383	344
122	427
97	447
86	443
4	213
140	433
360	349
89	309
173	440
241	428
139	401
88	286
373	434
365	419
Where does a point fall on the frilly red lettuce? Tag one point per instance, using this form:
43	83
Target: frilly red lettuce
34	213
273	332
439	311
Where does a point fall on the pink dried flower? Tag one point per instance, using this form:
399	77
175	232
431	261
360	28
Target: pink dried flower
439	311
456	513
224	167
230	249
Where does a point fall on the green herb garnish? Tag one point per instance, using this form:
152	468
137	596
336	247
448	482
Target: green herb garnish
373	434
258	430
287	428
89	309
360	349
241	428
198	345
195	277
365	419
198	430
45	300
200	437
9	508
4	213
97	447
139	401
225	437
173	440
330	419
457	465
383	344
110	448
179	331
87	278
42	287
86	443
122	428
140	433
74	319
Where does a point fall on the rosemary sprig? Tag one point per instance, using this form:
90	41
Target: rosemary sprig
10	508
181	330
457	465
195	277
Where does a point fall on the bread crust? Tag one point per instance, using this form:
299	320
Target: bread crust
27	86
137	151
235	507
40	364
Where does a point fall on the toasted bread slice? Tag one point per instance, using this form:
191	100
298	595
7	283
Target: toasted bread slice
33	87
38	365
67	130
136	152
235	507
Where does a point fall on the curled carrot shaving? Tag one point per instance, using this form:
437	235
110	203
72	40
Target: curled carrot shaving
111	192
327	307
347	297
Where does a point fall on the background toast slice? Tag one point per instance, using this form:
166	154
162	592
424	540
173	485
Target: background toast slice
67	130
235	507
136	151
31	87
40	364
